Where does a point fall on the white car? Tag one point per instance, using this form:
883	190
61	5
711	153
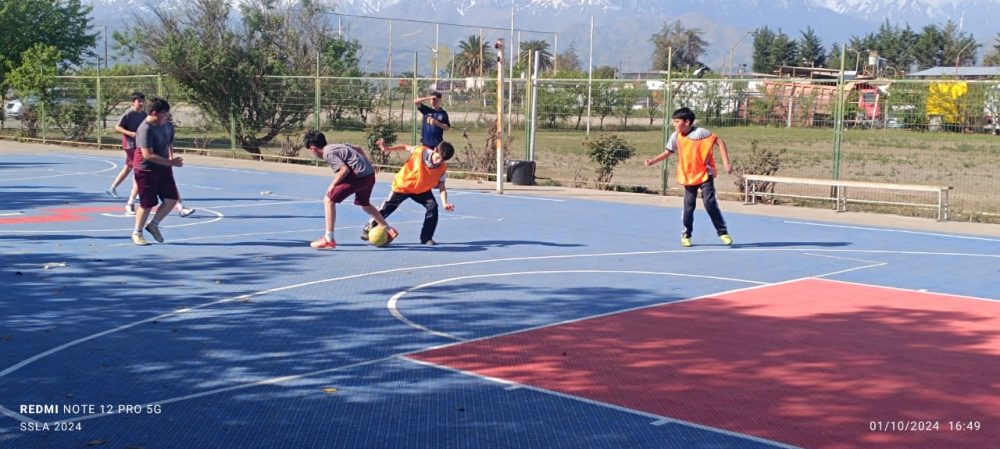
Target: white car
13	108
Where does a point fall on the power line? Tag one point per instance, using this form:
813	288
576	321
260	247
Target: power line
438	23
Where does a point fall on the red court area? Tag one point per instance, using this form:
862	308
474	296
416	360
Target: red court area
814	363
60	214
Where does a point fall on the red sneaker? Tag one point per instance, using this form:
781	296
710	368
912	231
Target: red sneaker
392	233
323	243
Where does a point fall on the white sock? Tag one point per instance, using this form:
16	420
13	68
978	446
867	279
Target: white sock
329	236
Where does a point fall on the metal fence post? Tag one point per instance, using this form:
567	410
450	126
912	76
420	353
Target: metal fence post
668	103
45	125
838	123
232	132
98	108
413	107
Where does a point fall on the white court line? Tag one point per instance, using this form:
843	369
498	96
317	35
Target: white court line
394	300
658	420
465	192
112	167
234	206
911	290
196	186
8	214
219	216
243	297
251	234
16	415
227	169
872	264
902	231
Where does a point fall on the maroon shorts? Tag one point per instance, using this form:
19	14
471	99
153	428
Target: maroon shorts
129	157
155	185
360	187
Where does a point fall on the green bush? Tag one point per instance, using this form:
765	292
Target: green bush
757	162
608	150
380	128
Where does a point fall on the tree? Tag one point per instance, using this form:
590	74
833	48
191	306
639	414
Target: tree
941	46
810	49
35	77
474	58
929	48
959	48
992	56
229	67
536	47
605	72
688	46
568	60
783	51
772	49
60	24
763	40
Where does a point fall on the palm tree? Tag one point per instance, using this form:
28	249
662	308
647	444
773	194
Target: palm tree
474	58
539	47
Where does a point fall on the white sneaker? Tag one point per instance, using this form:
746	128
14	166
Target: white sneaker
154	230
185	211
112	192
130	209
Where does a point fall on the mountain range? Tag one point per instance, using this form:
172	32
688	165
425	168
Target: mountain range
622	28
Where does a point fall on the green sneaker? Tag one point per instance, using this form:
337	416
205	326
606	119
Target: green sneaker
726	239
685	241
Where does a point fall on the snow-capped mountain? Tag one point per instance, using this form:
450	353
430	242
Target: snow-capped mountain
622	27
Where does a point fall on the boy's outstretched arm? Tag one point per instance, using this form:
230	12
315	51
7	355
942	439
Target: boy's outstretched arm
724	151
653	161
444	197
383	147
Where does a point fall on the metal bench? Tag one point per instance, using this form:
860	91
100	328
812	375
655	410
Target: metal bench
840	189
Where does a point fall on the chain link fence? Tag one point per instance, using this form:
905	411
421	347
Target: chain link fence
940	132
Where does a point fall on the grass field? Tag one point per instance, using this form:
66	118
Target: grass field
964	161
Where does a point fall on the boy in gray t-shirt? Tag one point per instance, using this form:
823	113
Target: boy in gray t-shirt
353	175
154	171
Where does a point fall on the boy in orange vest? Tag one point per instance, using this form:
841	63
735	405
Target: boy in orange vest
696	170
424	170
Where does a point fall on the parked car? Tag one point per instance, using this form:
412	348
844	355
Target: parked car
13	108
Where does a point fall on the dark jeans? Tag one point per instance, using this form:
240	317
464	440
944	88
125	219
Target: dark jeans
427	199
711	206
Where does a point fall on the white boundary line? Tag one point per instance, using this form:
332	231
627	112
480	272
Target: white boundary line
112	167
910	290
394	300
466	192
872	264
196	186
16	415
658	420
229	170
902	231
272	203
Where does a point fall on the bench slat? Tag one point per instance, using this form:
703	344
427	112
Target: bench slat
845	183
